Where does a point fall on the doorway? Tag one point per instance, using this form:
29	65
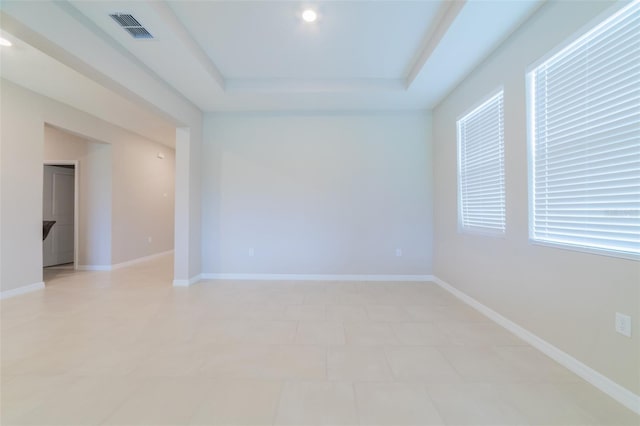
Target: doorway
60	206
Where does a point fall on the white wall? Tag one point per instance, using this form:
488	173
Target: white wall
96	206
143	199
139	181
94	191
317	194
566	297
188	267
21	174
106	64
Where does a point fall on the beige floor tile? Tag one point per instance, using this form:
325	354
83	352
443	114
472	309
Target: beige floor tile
317	403
352	313
340	287
127	347
266	362
423	294
420	364
320	333
398	295
305	313
604	409
395	404
160	401
233	402
369	333
171	361
38	329
21	394
170	329
473	404
285	296
112	360
349	363
246	331
544	404
375	293
478	334
219	308
481	364
533	365
454	312
353	298
15	350
58	358
387	313
319	297
420	333
86	401
346	313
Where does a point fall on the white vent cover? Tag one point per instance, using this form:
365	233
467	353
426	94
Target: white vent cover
131	25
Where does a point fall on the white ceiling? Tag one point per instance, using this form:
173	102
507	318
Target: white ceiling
267	40
260	55
29	67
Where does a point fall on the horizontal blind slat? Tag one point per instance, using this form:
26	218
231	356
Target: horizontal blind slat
481	167
586	139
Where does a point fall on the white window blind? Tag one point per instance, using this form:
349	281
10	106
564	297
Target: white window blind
481	168
585	116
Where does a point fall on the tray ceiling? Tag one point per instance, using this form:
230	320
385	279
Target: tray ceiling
260	55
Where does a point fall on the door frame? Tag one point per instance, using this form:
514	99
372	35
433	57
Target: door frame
76	203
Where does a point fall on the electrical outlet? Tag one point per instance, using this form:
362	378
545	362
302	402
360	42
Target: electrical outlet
398	252
623	324
251	252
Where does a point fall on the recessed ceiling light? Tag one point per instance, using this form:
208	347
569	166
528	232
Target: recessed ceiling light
5	42
309	15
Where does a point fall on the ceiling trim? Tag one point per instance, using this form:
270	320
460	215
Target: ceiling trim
497	45
428	66
22	32
447	13
284	85
77	64
165	11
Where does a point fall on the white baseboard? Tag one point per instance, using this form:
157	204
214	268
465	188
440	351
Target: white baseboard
93	268
187	283
122	264
315	277
21	290
140	260
301	277
621	394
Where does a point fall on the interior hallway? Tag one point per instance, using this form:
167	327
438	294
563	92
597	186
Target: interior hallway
125	347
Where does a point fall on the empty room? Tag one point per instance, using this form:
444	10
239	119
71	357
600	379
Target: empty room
229	212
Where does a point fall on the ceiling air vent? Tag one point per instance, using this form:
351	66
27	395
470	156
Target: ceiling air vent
131	24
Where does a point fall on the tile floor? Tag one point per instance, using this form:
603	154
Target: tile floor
125	348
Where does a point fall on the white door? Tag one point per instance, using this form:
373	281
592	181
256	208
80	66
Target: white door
58	204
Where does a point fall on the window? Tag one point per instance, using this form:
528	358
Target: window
481	202
584	105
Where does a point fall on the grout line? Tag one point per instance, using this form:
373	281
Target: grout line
355	402
283	383
388	363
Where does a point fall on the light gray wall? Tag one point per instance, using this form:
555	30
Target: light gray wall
21	174
317	194
566	297
94	192
138	180
143	199
188	236
95	231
